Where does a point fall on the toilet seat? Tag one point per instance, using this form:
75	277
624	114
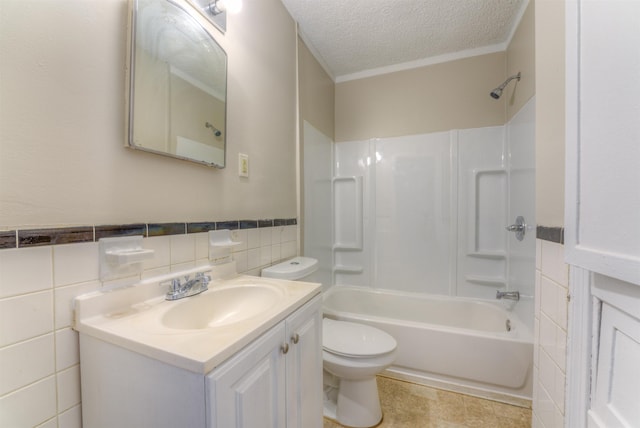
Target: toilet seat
355	340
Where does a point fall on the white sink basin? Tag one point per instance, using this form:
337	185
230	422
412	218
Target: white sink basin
220	307
196	333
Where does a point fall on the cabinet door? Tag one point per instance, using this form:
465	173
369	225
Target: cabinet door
248	391
304	366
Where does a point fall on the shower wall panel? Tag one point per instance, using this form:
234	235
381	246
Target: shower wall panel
521	254
318	173
354	160
414	233
434	211
482	212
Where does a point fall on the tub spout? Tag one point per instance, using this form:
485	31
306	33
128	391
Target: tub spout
510	295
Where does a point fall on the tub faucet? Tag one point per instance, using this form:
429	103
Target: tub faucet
510	295
190	286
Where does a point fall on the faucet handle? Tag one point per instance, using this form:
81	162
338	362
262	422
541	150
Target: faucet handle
173	283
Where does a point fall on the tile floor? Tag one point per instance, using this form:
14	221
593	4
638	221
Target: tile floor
407	405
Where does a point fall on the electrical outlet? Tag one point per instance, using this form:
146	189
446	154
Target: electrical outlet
243	165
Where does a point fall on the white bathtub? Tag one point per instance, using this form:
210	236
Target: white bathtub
453	343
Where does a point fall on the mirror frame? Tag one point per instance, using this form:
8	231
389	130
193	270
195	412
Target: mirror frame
193	13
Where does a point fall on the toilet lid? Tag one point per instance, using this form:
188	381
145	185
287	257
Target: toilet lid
355	340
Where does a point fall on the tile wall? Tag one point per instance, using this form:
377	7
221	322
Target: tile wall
39	357
552	290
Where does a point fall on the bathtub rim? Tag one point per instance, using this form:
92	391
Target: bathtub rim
521	333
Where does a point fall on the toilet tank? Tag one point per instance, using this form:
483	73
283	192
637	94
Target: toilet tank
295	269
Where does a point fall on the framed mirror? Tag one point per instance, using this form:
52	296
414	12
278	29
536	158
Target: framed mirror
177	84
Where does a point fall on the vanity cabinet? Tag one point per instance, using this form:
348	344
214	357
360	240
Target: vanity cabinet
261	386
276	382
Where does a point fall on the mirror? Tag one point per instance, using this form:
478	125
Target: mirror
177	84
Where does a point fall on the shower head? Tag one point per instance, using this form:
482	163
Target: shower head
497	92
215	130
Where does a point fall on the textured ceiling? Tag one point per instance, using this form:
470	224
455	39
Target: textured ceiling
355	36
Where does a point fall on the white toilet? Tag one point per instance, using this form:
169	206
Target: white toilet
353	354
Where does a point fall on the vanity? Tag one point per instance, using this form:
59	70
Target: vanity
245	353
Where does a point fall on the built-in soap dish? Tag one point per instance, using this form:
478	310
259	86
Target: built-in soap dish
220	245
122	256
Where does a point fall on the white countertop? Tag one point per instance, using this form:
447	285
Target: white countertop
130	318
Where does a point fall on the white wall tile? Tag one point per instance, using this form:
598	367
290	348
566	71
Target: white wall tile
288	249
71	418
552	263
183	249
75	263
276	234
242	262
536	305
253	258
561	349
547	374
548	298
253	238
63	313
290	233
68	382
551	293
265	255
536	344
26	362
558	391
202	245
67	348
161	245
548	336
25	271
546	410
25	317
276	253
51	423
29	406
265	236
242	236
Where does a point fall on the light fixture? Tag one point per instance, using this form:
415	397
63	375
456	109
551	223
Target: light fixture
216	10
215	7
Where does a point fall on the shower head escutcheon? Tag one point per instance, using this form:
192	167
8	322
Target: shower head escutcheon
497	92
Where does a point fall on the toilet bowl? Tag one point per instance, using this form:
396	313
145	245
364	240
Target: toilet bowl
352	355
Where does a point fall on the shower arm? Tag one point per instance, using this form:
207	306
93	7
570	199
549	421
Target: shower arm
506	82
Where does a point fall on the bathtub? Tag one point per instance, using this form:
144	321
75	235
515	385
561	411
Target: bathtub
477	347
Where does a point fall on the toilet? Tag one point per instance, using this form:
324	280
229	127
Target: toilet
352	355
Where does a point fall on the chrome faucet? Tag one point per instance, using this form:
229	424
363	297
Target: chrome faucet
510	295
190	286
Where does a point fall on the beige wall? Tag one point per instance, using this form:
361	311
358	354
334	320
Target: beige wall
317	92
550	117
62	155
317	107
451	95
521	58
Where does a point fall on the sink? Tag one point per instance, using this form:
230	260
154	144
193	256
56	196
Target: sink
222	306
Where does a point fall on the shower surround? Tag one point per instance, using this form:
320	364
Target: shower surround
427	213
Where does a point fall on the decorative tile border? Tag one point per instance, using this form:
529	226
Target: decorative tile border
553	234
73	235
